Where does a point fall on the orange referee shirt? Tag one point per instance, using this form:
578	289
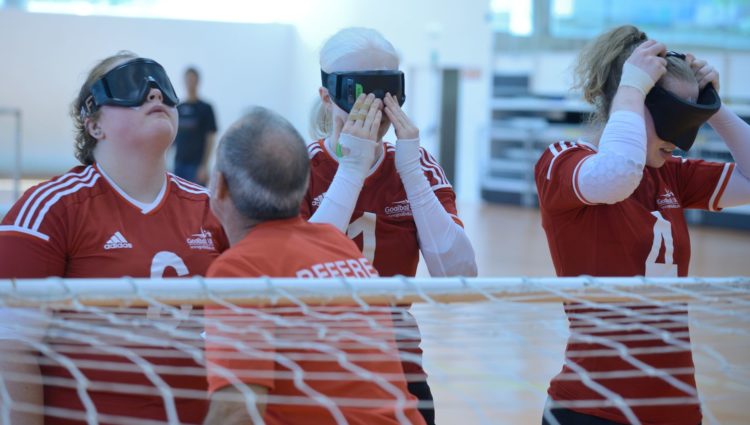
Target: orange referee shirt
331	361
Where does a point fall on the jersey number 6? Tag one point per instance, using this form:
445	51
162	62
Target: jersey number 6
159	264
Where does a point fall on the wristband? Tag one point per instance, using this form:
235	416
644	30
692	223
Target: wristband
635	77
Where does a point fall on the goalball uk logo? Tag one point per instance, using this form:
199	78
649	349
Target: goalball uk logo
201	240
398	209
667	200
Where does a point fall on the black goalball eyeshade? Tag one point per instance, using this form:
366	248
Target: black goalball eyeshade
345	87
128	84
677	120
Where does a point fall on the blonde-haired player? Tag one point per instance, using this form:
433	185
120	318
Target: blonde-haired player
617	209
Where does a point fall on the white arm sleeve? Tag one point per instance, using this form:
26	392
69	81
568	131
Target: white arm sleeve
615	171
736	134
341	197
339	201
445	247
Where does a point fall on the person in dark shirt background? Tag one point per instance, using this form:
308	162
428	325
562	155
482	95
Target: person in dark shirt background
195	136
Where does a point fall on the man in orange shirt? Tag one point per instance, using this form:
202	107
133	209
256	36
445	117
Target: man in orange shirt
351	372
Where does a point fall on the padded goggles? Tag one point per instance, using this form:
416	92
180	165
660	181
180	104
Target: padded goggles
128	84
345	87
677	120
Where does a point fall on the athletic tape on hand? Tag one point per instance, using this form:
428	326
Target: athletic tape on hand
358	153
635	77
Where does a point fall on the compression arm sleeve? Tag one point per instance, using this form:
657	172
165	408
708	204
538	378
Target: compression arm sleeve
445	247
615	171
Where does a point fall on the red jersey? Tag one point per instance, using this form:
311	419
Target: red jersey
296	248
643	235
382	225
82	225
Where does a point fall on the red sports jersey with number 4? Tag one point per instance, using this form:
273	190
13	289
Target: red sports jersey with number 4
643	235
382	225
82	225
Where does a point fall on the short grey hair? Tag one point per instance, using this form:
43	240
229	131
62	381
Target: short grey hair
265	164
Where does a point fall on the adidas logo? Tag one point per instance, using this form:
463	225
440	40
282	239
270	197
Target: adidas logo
318	200
117	241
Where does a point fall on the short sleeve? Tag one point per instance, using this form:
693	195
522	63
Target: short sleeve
433	171
701	183
556	176
447	198
440	184
32	239
210	119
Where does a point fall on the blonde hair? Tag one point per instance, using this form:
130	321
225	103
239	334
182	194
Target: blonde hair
345	42
599	68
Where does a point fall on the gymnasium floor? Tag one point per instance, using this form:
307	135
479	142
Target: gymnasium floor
495	367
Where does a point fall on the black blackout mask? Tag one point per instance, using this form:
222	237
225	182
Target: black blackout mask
129	84
345	87
677	120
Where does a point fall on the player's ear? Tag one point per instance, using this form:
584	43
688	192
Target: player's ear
94	129
219	183
325	97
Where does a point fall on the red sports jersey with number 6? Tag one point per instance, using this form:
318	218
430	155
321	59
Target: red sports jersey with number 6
643	235
82	225
382	225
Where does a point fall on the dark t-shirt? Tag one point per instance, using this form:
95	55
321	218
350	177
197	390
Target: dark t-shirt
196	122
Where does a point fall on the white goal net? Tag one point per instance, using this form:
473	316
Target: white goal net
490	346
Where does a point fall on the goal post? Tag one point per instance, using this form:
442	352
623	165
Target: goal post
490	345
59	292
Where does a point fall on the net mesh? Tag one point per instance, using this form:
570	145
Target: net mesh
333	350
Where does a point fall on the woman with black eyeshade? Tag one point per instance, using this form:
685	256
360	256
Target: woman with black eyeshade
392	199
118	214
616	208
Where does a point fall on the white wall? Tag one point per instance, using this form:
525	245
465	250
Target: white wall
46	57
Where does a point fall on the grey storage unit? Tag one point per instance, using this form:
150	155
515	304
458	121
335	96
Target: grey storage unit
522	127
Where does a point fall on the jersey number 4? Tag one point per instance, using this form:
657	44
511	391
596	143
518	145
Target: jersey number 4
662	236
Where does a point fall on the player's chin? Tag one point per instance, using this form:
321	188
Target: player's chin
655	161
162	136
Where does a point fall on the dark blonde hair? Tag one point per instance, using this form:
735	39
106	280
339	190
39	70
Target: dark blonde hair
85	143
599	68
